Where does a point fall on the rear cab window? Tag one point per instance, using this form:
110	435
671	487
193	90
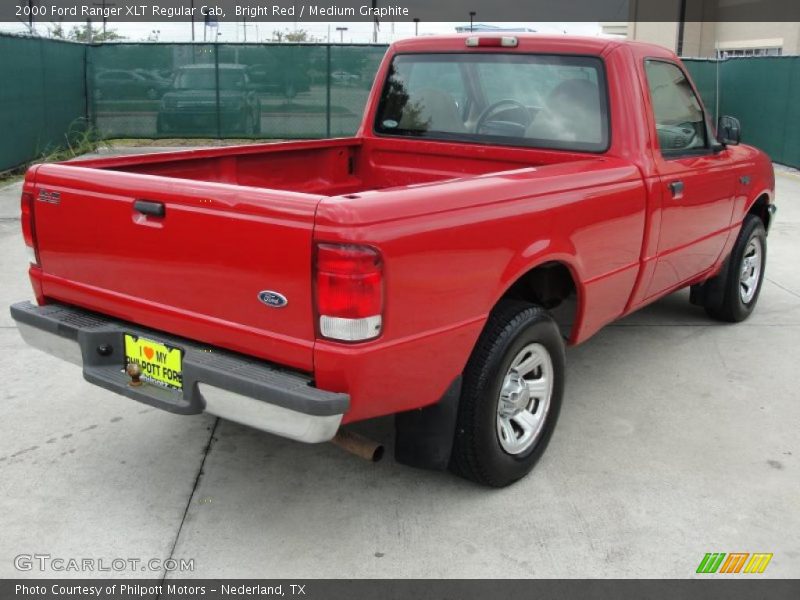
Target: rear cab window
544	101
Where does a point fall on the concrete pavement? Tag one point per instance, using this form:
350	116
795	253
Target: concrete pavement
678	436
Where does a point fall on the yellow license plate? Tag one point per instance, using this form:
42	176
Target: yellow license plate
160	364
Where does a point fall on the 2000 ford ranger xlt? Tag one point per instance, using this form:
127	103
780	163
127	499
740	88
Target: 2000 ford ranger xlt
504	196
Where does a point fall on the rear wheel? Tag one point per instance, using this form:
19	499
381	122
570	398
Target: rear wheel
741	280
511	395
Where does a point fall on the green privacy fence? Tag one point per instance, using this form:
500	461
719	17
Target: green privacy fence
284	91
229	90
42	93
763	93
178	91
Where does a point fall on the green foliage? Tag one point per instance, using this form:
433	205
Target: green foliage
87	33
57	31
80	138
297	36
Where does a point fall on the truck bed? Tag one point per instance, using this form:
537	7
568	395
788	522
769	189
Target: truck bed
330	167
234	222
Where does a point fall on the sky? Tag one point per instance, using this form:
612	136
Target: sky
357	32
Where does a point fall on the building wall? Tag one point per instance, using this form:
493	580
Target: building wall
702	39
760	35
663	34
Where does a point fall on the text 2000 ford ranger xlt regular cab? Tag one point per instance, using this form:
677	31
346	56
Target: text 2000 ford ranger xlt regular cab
503	195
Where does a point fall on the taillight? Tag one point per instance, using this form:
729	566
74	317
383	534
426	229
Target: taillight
349	291
28	230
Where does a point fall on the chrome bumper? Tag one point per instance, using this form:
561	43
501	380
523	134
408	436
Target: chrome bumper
215	381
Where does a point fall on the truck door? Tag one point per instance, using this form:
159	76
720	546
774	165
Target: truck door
697	180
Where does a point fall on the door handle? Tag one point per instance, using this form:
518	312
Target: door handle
150	208
676	187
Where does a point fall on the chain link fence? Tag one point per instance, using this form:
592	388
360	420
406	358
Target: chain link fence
229	90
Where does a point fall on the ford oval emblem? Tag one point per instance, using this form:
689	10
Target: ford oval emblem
273	299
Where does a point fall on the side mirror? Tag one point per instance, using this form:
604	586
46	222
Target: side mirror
729	130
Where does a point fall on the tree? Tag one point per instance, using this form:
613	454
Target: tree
300	35
56	30
87	33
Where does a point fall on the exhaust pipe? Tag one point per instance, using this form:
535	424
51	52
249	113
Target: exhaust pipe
359	445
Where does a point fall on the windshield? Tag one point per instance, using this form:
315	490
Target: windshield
206	79
514	99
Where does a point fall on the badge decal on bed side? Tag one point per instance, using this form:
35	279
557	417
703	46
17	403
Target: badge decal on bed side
273	299
49	197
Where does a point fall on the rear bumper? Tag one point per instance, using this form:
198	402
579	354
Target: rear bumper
228	385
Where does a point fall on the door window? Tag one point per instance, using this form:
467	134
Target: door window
680	124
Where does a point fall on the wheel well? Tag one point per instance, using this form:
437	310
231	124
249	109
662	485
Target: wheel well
551	286
759	209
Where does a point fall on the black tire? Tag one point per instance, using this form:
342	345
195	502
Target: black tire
733	308
477	451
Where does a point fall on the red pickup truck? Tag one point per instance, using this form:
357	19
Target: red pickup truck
503	197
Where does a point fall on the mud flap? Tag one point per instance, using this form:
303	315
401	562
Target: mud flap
424	437
711	292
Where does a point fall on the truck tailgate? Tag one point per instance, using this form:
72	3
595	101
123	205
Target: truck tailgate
197	271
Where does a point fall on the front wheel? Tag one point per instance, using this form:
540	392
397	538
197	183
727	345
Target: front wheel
741	280
511	395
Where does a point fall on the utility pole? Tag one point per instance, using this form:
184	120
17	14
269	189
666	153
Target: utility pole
192	4
341	31
375	25
472	14
103	5
416	26
681	28
717	55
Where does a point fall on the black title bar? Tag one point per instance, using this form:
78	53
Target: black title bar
400	10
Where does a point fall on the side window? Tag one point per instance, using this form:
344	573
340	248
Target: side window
680	124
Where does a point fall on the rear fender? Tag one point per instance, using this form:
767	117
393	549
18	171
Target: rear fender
537	254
